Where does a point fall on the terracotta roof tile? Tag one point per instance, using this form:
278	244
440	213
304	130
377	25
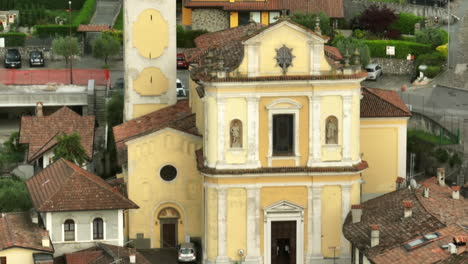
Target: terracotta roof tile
17	230
100	255
92	28
63	186
40	132
333	8
382	103
202	168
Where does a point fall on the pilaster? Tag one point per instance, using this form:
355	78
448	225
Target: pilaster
345	208
253	227
252	132
221	108
314	129
222	239
314	245
347	113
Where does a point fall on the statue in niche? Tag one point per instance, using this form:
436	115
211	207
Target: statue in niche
236	133
331	130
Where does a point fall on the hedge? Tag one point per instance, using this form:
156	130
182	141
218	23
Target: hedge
432	71
44	31
378	48
185	38
60	4
13	39
405	23
86	13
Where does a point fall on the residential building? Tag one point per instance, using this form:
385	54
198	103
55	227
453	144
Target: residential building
221	14
422	225
23	241
77	207
40	132
266	155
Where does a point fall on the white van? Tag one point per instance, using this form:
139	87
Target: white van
374	71
187	252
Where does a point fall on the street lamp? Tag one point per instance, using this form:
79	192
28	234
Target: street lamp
70	41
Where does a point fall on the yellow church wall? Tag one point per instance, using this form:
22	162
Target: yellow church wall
356	193
147	189
236	221
236	108
143	109
234	19
19	255
211	151
303	131
283	179
332	106
186	16
211	223
197	106
331	219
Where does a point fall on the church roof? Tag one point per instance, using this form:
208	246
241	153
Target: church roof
333	8
63	186
382	103
40	132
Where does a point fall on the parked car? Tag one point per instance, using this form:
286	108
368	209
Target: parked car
180	89
187	253
374	71
181	61
12	58
36	58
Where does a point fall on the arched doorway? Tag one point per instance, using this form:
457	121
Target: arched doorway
168	219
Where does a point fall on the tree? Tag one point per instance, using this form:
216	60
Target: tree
14	196
69	147
432	36
114	117
377	20
105	46
349	45
66	47
308	20
12	152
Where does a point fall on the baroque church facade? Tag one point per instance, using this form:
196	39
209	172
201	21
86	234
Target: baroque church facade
264	160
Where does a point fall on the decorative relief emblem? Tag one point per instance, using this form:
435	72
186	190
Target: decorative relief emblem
284	58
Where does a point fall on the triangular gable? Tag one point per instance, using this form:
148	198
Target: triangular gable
283	206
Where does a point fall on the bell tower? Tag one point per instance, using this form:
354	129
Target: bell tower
149	56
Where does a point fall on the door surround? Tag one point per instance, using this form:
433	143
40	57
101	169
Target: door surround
284	211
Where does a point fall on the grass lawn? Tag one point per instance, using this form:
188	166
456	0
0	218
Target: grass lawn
428	137
53	13
119	21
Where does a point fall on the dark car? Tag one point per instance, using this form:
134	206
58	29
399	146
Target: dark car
12	59
36	58
181	61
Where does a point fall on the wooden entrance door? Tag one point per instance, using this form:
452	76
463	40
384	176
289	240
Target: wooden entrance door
169	235
283	242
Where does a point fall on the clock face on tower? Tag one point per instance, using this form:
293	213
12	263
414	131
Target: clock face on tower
150	34
151	82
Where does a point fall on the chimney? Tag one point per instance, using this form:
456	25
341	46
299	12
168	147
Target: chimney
452	248
45	239
39	112
34	217
426	190
441	176
408	205
399	182
356	212
375	233
132	255
456	192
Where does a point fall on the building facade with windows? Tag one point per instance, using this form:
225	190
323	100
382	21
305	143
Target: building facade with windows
263	162
77	207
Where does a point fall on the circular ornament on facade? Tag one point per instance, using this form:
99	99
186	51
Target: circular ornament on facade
150	34
168	173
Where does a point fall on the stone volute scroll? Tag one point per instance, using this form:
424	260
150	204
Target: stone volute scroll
331	136
235	132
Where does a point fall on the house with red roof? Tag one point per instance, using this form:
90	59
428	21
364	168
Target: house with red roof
77	208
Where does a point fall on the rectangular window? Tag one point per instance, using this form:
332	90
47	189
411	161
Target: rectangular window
283	132
274	17
256	16
98	229
244	18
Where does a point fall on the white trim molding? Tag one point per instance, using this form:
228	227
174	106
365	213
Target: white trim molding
221	109
345	208
222	257
314	251
253	132
120	227
253	59
253	230
347	115
314	130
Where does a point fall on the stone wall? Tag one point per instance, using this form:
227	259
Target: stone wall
210	19
394	66
355	7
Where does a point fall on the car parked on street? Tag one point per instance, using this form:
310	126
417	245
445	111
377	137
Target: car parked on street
36	58
181	61
180	89
12	58
187	253
374	71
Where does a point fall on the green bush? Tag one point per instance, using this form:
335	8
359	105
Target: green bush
432	36
185	38
14	196
86	13
350	44
44	31
308	20
360	34
432	71
378	48
455	160
441	155
405	23
119	21
60	4
117	34
13	39
434	58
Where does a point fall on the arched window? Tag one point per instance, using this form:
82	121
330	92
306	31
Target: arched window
236	133
98	229
69	230
331	136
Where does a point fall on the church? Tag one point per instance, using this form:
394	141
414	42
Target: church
263	161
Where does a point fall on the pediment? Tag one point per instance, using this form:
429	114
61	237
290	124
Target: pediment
284	103
284	206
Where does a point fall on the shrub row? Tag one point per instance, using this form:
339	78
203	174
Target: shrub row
378	48
44	31
60	4
405	23
86	13
185	38
13	39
